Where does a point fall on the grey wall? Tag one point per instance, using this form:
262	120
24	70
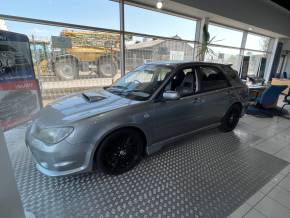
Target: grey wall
10	204
259	13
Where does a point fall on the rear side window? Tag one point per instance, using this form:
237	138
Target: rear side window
211	78
233	75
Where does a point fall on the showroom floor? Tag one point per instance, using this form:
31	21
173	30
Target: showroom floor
207	175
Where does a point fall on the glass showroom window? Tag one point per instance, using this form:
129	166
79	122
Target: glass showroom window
255	61
167	44
224	56
260	43
221	35
228	43
141	50
257	42
150	22
70	60
100	13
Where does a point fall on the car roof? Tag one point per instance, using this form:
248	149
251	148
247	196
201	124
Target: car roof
178	63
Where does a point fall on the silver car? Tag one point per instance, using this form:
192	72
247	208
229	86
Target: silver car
113	128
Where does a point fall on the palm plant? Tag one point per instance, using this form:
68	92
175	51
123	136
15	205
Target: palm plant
204	48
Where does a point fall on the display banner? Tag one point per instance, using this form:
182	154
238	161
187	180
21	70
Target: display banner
15	57
19	90
19	100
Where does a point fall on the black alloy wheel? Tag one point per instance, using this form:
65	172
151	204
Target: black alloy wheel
120	151
231	119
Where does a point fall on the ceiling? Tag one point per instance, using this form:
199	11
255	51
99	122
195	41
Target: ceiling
283	3
233	15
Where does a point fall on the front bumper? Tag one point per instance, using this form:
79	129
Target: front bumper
59	159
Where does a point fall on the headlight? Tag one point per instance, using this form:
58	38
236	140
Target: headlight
54	135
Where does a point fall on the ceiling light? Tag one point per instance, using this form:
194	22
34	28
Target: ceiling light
250	28
159	4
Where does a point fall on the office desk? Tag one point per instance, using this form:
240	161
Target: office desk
256	90
280	82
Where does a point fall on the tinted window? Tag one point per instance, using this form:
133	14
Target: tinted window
232	75
211	78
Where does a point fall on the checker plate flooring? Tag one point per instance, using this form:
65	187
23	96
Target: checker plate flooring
206	175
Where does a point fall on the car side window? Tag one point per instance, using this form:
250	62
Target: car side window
211	78
232	75
183	82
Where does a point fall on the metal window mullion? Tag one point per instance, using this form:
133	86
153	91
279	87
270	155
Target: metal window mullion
270	61
122	38
242	49
156	36
197	38
54	23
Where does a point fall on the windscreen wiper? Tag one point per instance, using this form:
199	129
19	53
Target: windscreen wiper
118	87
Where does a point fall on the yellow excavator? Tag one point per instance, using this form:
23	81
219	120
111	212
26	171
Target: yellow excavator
74	51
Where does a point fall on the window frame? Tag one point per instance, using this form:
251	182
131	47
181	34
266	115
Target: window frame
159	93
218	69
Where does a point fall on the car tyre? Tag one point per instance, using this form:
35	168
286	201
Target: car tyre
120	151
67	69
231	119
107	67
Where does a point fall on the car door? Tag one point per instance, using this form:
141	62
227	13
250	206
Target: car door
176	117
213	89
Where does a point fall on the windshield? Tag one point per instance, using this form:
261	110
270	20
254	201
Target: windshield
141	83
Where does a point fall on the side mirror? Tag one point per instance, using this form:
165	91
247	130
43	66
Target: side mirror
170	95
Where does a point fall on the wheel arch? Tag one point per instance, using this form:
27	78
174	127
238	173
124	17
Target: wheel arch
135	128
239	104
231	105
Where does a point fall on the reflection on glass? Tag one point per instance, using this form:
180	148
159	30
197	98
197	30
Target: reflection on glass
70	60
141	83
140	50
225	36
88	13
255	60
150	22
224	56
257	42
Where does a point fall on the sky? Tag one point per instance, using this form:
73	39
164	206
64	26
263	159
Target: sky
105	14
97	13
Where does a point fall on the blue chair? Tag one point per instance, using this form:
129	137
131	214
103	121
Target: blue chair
270	96
266	103
286	101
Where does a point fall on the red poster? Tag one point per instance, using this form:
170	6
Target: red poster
18	102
